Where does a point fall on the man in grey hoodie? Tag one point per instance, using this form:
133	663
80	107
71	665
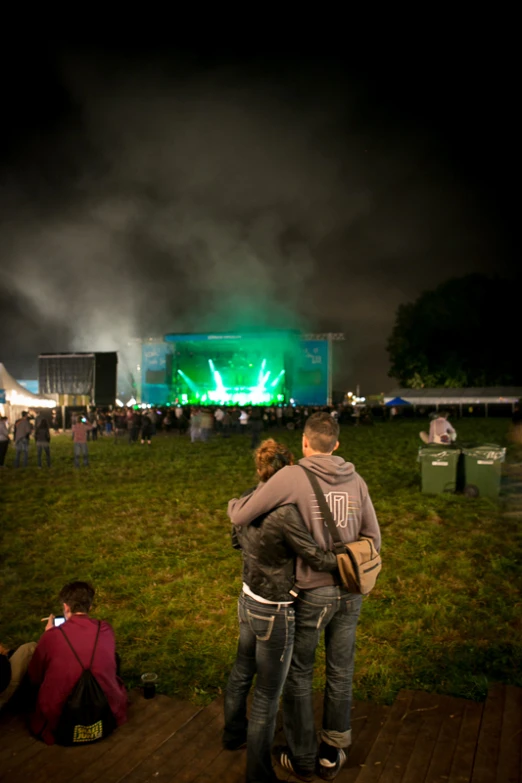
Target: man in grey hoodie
322	603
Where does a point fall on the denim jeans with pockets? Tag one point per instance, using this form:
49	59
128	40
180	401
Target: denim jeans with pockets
335	611
266	635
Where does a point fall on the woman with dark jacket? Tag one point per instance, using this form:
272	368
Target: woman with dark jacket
42	436
266	618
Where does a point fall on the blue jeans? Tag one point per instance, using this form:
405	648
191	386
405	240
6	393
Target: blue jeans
46	449
21	447
266	635
335	611
80	448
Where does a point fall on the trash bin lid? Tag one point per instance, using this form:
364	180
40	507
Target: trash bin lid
435	451
490	452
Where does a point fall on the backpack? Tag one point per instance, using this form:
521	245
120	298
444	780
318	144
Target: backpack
86	716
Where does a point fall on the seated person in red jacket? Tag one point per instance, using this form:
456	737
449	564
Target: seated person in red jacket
56	671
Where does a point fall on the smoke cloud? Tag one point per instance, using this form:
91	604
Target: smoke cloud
217	200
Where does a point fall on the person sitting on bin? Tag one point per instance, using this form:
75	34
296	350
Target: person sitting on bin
441	430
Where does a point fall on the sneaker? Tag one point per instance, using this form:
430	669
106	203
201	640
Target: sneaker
328	770
284	759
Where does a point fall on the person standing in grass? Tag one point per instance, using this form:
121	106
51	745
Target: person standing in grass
322	603
4	439
79	433
147	429
266	619
22	432
42	436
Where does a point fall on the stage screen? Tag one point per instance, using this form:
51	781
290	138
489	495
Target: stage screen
232	369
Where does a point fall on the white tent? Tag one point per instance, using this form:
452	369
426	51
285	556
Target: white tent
14	398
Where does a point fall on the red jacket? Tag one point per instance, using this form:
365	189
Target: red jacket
55	669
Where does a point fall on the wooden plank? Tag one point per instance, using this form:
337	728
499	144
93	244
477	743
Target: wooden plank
64	764
163	755
452	713
371	769
229	766
369	724
117	759
395	766
185	753
511	737
426	710
486	756
18	741
15	736
462	766
14	768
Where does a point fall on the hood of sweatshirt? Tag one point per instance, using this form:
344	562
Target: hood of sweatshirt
332	470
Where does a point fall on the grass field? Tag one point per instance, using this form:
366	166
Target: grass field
148	527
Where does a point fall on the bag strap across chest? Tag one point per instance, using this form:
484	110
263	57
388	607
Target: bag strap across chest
326	513
74	651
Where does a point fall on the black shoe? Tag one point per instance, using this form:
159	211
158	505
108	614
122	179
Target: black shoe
236	743
328	770
284	759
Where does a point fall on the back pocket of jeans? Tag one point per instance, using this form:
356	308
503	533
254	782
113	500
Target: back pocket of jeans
261	625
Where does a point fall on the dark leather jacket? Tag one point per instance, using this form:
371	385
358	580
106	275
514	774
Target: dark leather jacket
269	546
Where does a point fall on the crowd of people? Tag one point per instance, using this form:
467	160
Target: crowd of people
139	425
291	594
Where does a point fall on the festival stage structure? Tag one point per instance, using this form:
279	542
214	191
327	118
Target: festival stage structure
250	368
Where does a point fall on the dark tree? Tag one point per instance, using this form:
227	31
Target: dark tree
464	333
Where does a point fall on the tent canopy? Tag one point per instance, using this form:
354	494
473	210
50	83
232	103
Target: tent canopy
17	395
397	401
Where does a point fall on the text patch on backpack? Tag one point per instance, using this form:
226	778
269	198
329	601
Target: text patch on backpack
88	733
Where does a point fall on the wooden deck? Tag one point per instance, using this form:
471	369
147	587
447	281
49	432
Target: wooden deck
421	738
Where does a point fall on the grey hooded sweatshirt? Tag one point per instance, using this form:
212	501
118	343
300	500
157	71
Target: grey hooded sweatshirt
346	494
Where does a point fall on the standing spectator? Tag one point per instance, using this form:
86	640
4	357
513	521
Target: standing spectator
108	423
147	429
79	433
255	420
322	603
42	436
207	425
195	425
134	422
22	432
219	415
516	421
226	423
4	439
93	421
266	618
243	422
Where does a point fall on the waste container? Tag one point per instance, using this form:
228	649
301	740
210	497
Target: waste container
482	468
439	466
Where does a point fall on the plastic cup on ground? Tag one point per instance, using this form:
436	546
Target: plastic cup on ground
149	681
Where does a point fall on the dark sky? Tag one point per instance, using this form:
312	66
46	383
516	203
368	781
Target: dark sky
178	188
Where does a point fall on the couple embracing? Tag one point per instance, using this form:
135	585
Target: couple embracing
291	593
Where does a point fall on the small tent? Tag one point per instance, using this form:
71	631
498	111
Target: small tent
14	398
396	402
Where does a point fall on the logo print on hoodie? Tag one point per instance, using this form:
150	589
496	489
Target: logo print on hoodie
343	507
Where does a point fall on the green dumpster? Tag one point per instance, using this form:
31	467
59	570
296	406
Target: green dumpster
482	468
439	466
